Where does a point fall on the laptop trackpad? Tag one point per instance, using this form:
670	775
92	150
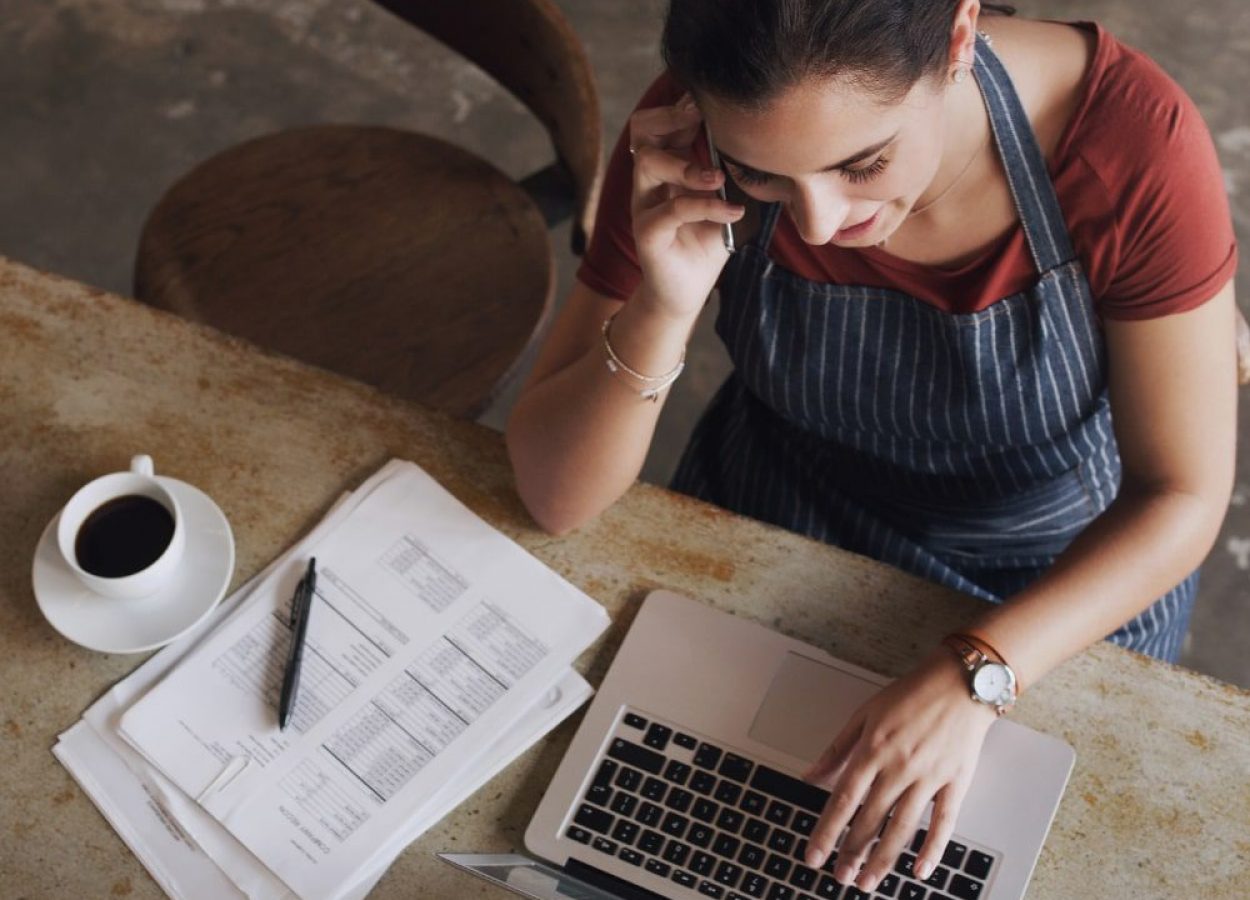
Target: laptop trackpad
806	706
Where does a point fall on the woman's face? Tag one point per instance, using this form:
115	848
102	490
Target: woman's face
847	166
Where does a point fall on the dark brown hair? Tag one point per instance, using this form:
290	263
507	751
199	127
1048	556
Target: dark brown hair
746	52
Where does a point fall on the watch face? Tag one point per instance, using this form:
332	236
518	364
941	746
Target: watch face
992	683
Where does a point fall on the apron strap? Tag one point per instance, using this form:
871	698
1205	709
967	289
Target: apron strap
1031	187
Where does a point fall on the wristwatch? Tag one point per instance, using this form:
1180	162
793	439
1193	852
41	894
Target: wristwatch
990	681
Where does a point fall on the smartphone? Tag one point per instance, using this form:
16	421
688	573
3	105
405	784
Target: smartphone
727	231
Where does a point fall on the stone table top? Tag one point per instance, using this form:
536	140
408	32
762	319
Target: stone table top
1158	804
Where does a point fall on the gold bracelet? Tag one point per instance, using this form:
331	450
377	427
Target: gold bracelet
655	384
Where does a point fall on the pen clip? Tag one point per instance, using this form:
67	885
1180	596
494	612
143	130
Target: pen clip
297	601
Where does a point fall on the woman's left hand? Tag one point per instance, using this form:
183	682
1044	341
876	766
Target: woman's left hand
918	740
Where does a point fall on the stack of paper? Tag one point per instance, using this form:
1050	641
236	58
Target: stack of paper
437	651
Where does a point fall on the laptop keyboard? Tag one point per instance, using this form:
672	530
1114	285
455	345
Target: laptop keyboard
724	826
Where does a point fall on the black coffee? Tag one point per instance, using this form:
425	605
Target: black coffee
123	536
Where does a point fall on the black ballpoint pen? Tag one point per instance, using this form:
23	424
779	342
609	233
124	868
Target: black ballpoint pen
301	608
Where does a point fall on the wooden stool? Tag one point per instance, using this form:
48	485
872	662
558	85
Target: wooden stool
391	257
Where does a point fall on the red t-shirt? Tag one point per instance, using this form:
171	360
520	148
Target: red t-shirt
1137	178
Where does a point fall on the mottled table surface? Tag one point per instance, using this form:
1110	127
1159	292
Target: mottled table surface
1158	805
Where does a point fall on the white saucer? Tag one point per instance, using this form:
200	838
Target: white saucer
132	626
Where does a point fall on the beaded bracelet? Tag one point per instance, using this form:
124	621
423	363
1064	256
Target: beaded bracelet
655	384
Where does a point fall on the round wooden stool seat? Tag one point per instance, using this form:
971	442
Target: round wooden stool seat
390	257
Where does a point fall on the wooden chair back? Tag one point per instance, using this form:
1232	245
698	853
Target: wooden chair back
531	50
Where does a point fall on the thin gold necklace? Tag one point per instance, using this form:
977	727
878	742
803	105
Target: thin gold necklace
962	172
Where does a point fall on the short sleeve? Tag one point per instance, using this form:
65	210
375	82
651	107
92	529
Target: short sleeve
610	264
1174	245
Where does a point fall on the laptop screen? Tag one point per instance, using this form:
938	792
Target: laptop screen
526	877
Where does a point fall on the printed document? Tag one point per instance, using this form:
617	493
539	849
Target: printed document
432	635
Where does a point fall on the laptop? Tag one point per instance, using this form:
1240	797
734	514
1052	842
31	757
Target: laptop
681	781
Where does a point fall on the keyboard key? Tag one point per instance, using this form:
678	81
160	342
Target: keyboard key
803	877
603	845
601	796
906	865
917	842
779	813
777	866
594	819
629	779
728	792
603	778
938	878
702	863
677	772
676	852
707	756
780	891
800	849
704	810
708	889
649	814
781	841
736	767
751	855
889	885
625	831
633	857
728	874
624	803
581	835
729	820
754	803
703	782
633	720
953	856
679	799
964	888
725	846
978	865
754	885
804	822
685	879
638	757
681	739
828	889
699	835
674	825
854	893
653	789
655	867
755	831
792	790
657	736
912	891
651	842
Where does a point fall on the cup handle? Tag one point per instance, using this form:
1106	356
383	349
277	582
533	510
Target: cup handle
142	465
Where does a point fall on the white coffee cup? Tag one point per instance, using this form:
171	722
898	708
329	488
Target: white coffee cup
141	481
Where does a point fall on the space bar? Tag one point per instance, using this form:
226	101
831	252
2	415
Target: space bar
792	790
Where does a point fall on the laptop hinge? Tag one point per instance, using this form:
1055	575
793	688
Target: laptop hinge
611	883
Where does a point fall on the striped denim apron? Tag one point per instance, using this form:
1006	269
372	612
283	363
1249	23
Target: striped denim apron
967	449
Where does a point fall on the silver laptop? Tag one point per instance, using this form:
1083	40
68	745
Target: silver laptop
682	780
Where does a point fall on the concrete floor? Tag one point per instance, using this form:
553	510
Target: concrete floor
104	103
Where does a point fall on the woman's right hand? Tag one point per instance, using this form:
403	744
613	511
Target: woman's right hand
677	214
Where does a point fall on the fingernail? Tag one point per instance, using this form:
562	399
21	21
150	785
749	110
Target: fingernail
844	874
924	869
708	174
868	883
815	857
686	103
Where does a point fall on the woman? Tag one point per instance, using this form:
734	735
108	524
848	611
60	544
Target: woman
982	330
